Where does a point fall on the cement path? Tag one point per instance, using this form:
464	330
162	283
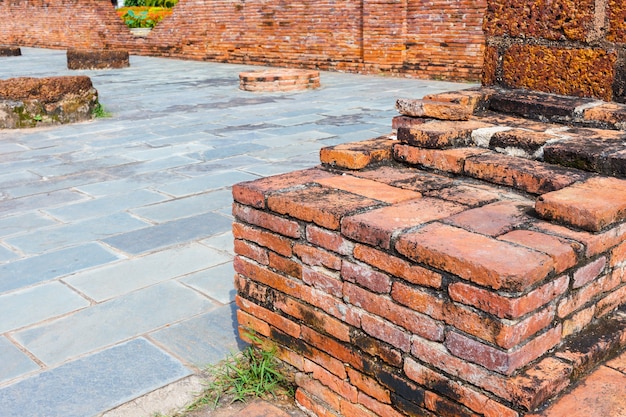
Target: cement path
116	279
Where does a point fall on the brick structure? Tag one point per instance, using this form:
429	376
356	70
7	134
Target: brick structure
569	47
279	80
443	41
448	270
96	59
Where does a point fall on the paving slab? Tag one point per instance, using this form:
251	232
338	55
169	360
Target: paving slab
116	249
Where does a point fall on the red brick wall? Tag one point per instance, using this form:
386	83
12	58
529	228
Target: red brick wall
570	47
442	41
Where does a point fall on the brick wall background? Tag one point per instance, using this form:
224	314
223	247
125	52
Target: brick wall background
571	47
443	40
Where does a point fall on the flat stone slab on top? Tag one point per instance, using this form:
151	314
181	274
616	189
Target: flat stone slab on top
10	50
279	79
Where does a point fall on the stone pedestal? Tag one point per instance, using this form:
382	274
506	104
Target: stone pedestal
96	59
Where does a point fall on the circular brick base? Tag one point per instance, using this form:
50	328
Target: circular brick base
10	51
96	59
279	80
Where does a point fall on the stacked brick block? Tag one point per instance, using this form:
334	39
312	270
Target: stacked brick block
567	47
446	270
443	41
279	80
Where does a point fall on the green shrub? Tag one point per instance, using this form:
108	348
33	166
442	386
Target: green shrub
134	3
151	3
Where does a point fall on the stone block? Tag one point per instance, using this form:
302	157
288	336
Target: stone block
441	110
78	59
10	50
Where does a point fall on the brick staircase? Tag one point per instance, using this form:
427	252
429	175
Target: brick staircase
473	264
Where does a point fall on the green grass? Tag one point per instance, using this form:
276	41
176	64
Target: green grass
99	112
249	374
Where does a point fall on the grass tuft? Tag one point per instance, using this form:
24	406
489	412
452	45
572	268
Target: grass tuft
99	112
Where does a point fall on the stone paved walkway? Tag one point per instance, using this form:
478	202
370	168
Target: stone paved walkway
115	244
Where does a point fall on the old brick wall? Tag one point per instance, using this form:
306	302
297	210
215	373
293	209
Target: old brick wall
443	40
570	47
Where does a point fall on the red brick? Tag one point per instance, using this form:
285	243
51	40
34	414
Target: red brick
369	386
454	250
289	356
611	302
314	318
383	330
271	279
376	227
251	251
279	244
378	407
313	256
612	113
577	299
562	252
276	320
332	305
499	361
406	122
401	176
253	193
411	320
449	160
322	206
618	256
266	220
493	219
338	385
442	110
317	389
508	307
469	195
444	407
366	277
589	272
578	321
357	155
592	205
440	134
418	300
455	390
285	265
327	239
594	243
307	401
251	289
370	189
505	334
329	363
473	98
349	409
250	324
530	176
336	349
397	267
325	282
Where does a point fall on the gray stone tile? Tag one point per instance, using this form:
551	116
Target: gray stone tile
39	201
207	182
228	151
153	166
73	234
32	305
227	164
36	269
23	223
113	280
63	169
13	363
54	184
106	205
91	385
112	322
203	340
217	282
223	242
186	207
6	254
124	185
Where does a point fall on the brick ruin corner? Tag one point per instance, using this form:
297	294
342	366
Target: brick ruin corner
471	263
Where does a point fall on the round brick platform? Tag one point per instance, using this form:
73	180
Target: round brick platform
96	59
280	79
10	50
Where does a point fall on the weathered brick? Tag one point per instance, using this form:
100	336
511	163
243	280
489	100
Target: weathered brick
252	251
325	282
611	302
475	98
250	324
330	304
315	388
594	243
309	402
562	252
313	256
499	361
440	134
411	320
377	348
578	321
612	114
577	299
397	267
444	407
492	219
406	122
509	307
418	300
253	193
369	386
469	195
454	250
520	142
589	272
271	279
357	155
336	349
370	189
618	255
377	227
405	177
366	277
530	176
349	409
378	407
449	160
341	387
442	110
322	206
266	220
327	239
276	320
263	238
591	205
328	362
285	265
314	318
383	330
